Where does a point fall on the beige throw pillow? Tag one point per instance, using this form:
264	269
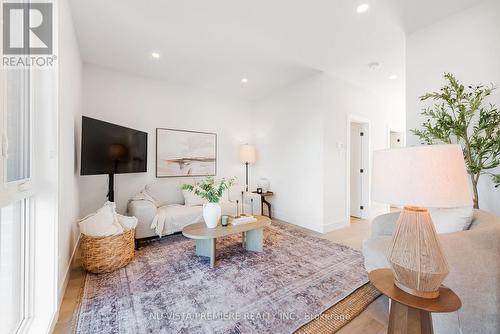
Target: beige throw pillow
452	220
191	199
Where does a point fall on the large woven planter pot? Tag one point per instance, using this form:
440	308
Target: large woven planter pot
106	254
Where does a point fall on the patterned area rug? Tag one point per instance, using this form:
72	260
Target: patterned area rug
167	289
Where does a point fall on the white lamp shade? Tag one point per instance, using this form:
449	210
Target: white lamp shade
432	176
248	154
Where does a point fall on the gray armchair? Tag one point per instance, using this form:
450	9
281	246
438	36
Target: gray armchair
474	261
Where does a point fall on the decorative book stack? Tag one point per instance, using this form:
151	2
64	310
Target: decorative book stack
243	220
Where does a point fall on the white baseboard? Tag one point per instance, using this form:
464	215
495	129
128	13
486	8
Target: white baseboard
314	226
320	227
64	284
335	225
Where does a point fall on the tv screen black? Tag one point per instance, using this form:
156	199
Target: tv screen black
112	149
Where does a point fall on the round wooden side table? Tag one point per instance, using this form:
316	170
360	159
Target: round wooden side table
411	314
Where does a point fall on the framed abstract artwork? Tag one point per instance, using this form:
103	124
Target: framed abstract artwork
185	153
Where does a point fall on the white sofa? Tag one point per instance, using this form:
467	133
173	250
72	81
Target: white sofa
170	203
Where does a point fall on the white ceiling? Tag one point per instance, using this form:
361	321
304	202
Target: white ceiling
416	14
213	44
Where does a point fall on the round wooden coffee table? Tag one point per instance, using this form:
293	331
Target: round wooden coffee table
252	236
411	314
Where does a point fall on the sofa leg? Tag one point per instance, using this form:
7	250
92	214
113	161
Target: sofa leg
136	242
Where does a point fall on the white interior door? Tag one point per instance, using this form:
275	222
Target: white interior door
356	149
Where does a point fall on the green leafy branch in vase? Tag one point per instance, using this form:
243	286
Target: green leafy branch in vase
209	189
461	116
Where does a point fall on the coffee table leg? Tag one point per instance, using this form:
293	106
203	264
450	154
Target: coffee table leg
206	247
212	253
405	319
253	240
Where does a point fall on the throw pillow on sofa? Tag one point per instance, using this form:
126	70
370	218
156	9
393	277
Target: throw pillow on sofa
452	220
191	199
145	196
225	197
102	223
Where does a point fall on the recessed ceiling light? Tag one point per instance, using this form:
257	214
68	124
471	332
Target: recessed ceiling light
362	8
374	65
244	80
393	77
155	55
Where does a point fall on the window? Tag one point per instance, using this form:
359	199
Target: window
15	198
16	141
12	266
28	215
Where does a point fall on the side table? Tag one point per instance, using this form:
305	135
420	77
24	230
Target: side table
264	201
411	314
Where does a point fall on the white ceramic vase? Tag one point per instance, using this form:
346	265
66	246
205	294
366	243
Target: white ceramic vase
211	214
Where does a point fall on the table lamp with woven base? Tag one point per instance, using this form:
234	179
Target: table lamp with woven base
419	264
419	178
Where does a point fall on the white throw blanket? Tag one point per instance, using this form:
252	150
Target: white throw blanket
172	218
159	220
158	223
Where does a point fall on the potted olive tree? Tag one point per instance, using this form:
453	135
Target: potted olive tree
460	115
211	191
496	180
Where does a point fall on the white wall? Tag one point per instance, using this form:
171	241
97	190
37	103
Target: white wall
288	135
302	138
69	109
343	102
297	132
45	204
466	44
146	104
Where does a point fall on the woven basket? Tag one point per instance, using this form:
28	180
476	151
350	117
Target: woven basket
106	254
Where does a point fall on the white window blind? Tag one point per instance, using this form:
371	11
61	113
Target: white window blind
16	140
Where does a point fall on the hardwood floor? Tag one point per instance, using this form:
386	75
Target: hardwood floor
373	320
70	300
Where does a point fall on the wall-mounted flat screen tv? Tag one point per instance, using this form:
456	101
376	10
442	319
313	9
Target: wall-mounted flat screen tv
112	149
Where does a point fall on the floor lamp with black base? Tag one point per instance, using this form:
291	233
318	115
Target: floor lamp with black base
248	155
